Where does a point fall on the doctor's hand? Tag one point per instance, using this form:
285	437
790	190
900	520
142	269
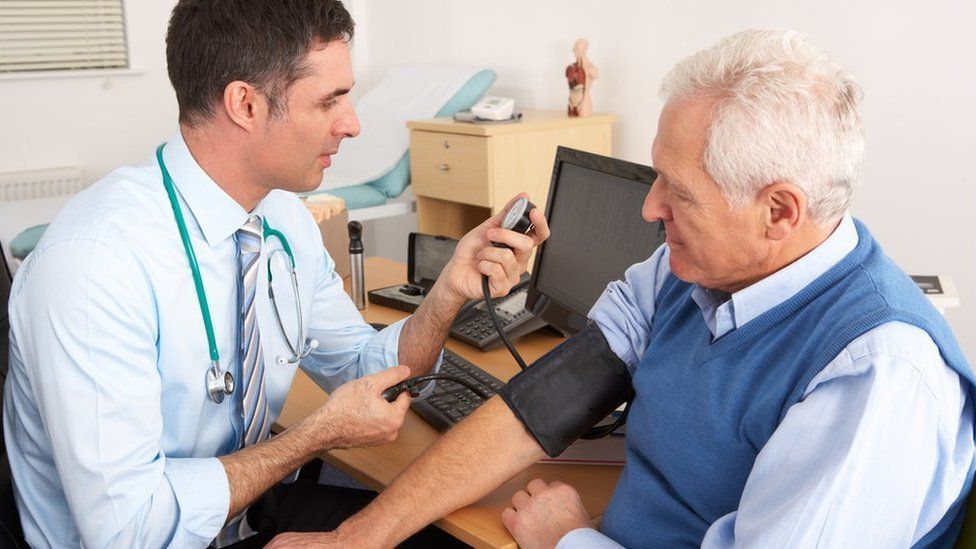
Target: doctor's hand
543	513
475	256
356	413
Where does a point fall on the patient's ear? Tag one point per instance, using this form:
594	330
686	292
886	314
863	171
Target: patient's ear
244	105
785	209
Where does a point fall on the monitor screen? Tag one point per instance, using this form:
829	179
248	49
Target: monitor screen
594	213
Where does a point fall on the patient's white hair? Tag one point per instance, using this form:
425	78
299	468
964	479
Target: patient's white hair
784	112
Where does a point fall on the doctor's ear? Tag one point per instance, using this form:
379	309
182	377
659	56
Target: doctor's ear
244	105
785	206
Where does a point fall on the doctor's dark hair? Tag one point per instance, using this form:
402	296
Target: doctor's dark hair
211	43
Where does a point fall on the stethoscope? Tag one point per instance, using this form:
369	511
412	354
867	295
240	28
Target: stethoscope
221	383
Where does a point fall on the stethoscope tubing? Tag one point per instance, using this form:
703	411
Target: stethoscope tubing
298	351
191	257
221	383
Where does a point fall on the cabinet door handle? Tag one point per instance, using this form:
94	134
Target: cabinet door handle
444	167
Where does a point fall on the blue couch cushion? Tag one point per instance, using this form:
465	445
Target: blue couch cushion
359	196
24	243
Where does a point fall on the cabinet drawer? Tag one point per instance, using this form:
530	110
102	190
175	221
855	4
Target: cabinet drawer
450	167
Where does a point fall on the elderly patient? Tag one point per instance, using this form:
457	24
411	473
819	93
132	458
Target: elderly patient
793	388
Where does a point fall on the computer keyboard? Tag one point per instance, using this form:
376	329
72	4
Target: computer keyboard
451	402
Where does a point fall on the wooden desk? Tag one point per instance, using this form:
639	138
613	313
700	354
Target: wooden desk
480	524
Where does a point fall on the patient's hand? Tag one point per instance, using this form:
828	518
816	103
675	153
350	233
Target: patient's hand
543	513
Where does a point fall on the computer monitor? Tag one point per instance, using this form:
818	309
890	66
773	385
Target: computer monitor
594	213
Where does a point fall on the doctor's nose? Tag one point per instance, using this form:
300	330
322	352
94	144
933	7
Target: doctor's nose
348	123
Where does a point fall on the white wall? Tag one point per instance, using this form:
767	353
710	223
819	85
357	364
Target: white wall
914	59
915	62
96	123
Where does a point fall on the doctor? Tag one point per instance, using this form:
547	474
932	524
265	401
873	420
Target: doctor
147	360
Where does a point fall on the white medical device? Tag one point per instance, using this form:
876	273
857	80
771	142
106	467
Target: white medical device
494	108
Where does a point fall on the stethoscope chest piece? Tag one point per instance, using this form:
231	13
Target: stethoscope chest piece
219	384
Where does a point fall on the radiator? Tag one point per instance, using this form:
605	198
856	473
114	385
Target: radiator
40	183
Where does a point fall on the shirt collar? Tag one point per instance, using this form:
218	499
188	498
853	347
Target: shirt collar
750	302
218	215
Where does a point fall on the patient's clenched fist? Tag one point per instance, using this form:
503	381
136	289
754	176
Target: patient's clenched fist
543	513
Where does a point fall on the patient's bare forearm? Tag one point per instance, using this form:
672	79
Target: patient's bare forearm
468	462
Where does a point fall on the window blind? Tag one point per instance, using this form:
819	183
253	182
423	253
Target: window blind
51	35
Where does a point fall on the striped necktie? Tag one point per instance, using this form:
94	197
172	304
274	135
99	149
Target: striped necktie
255	403
254	406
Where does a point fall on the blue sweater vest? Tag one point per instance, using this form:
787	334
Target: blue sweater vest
704	409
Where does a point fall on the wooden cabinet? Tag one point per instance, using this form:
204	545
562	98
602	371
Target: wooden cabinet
451	167
463	173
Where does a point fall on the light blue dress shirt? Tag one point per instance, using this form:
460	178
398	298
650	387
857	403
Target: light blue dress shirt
874	454
111	435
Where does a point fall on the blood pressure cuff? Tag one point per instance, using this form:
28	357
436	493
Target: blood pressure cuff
567	391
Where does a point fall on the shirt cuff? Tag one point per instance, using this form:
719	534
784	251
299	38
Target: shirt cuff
581	538
428	388
391	335
203	495
383	348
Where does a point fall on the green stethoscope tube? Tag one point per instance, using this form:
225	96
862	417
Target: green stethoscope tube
220	383
269	232
191	257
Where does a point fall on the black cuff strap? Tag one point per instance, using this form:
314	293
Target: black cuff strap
567	391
